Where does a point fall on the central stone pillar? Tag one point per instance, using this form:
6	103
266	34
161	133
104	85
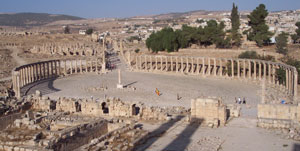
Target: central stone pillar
119	85
141	62
286	78
76	66
192	66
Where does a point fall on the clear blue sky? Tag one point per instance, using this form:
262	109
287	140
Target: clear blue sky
127	8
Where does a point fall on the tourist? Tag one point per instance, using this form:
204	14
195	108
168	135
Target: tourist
239	100
244	100
157	92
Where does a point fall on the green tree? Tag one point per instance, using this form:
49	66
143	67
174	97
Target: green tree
281	43
296	36
66	29
259	31
235	22
89	31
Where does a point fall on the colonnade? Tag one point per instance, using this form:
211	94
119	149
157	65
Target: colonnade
222	67
30	73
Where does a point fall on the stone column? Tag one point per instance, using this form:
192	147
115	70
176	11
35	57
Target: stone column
286	78
215	67
250	72
87	66
254	73
146	62
136	62
238	68
192	68
259	72
167	68
232	68
181	64
295	84
65	68
269	72
71	66
203	66
244	70
96	70
290	81
119	71
273	73
176	64
187	65
91	65
141	63
172	64
151	64
198	67
48	69
265	70
161	63
81	66
156	63
221	68
40	71
208	69
59	67
76	66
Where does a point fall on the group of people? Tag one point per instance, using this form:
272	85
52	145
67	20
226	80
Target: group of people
240	101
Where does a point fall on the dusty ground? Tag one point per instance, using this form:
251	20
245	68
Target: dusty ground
240	134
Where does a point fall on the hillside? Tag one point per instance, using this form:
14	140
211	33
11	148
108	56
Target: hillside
32	19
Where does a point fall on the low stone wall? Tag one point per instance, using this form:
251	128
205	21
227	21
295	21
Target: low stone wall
277	115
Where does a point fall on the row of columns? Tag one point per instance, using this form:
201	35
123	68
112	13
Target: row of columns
31	73
240	68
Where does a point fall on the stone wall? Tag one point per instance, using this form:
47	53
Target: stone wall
277	115
208	111
111	107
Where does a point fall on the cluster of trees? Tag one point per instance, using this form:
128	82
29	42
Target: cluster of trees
214	34
259	31
170	40
296	36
